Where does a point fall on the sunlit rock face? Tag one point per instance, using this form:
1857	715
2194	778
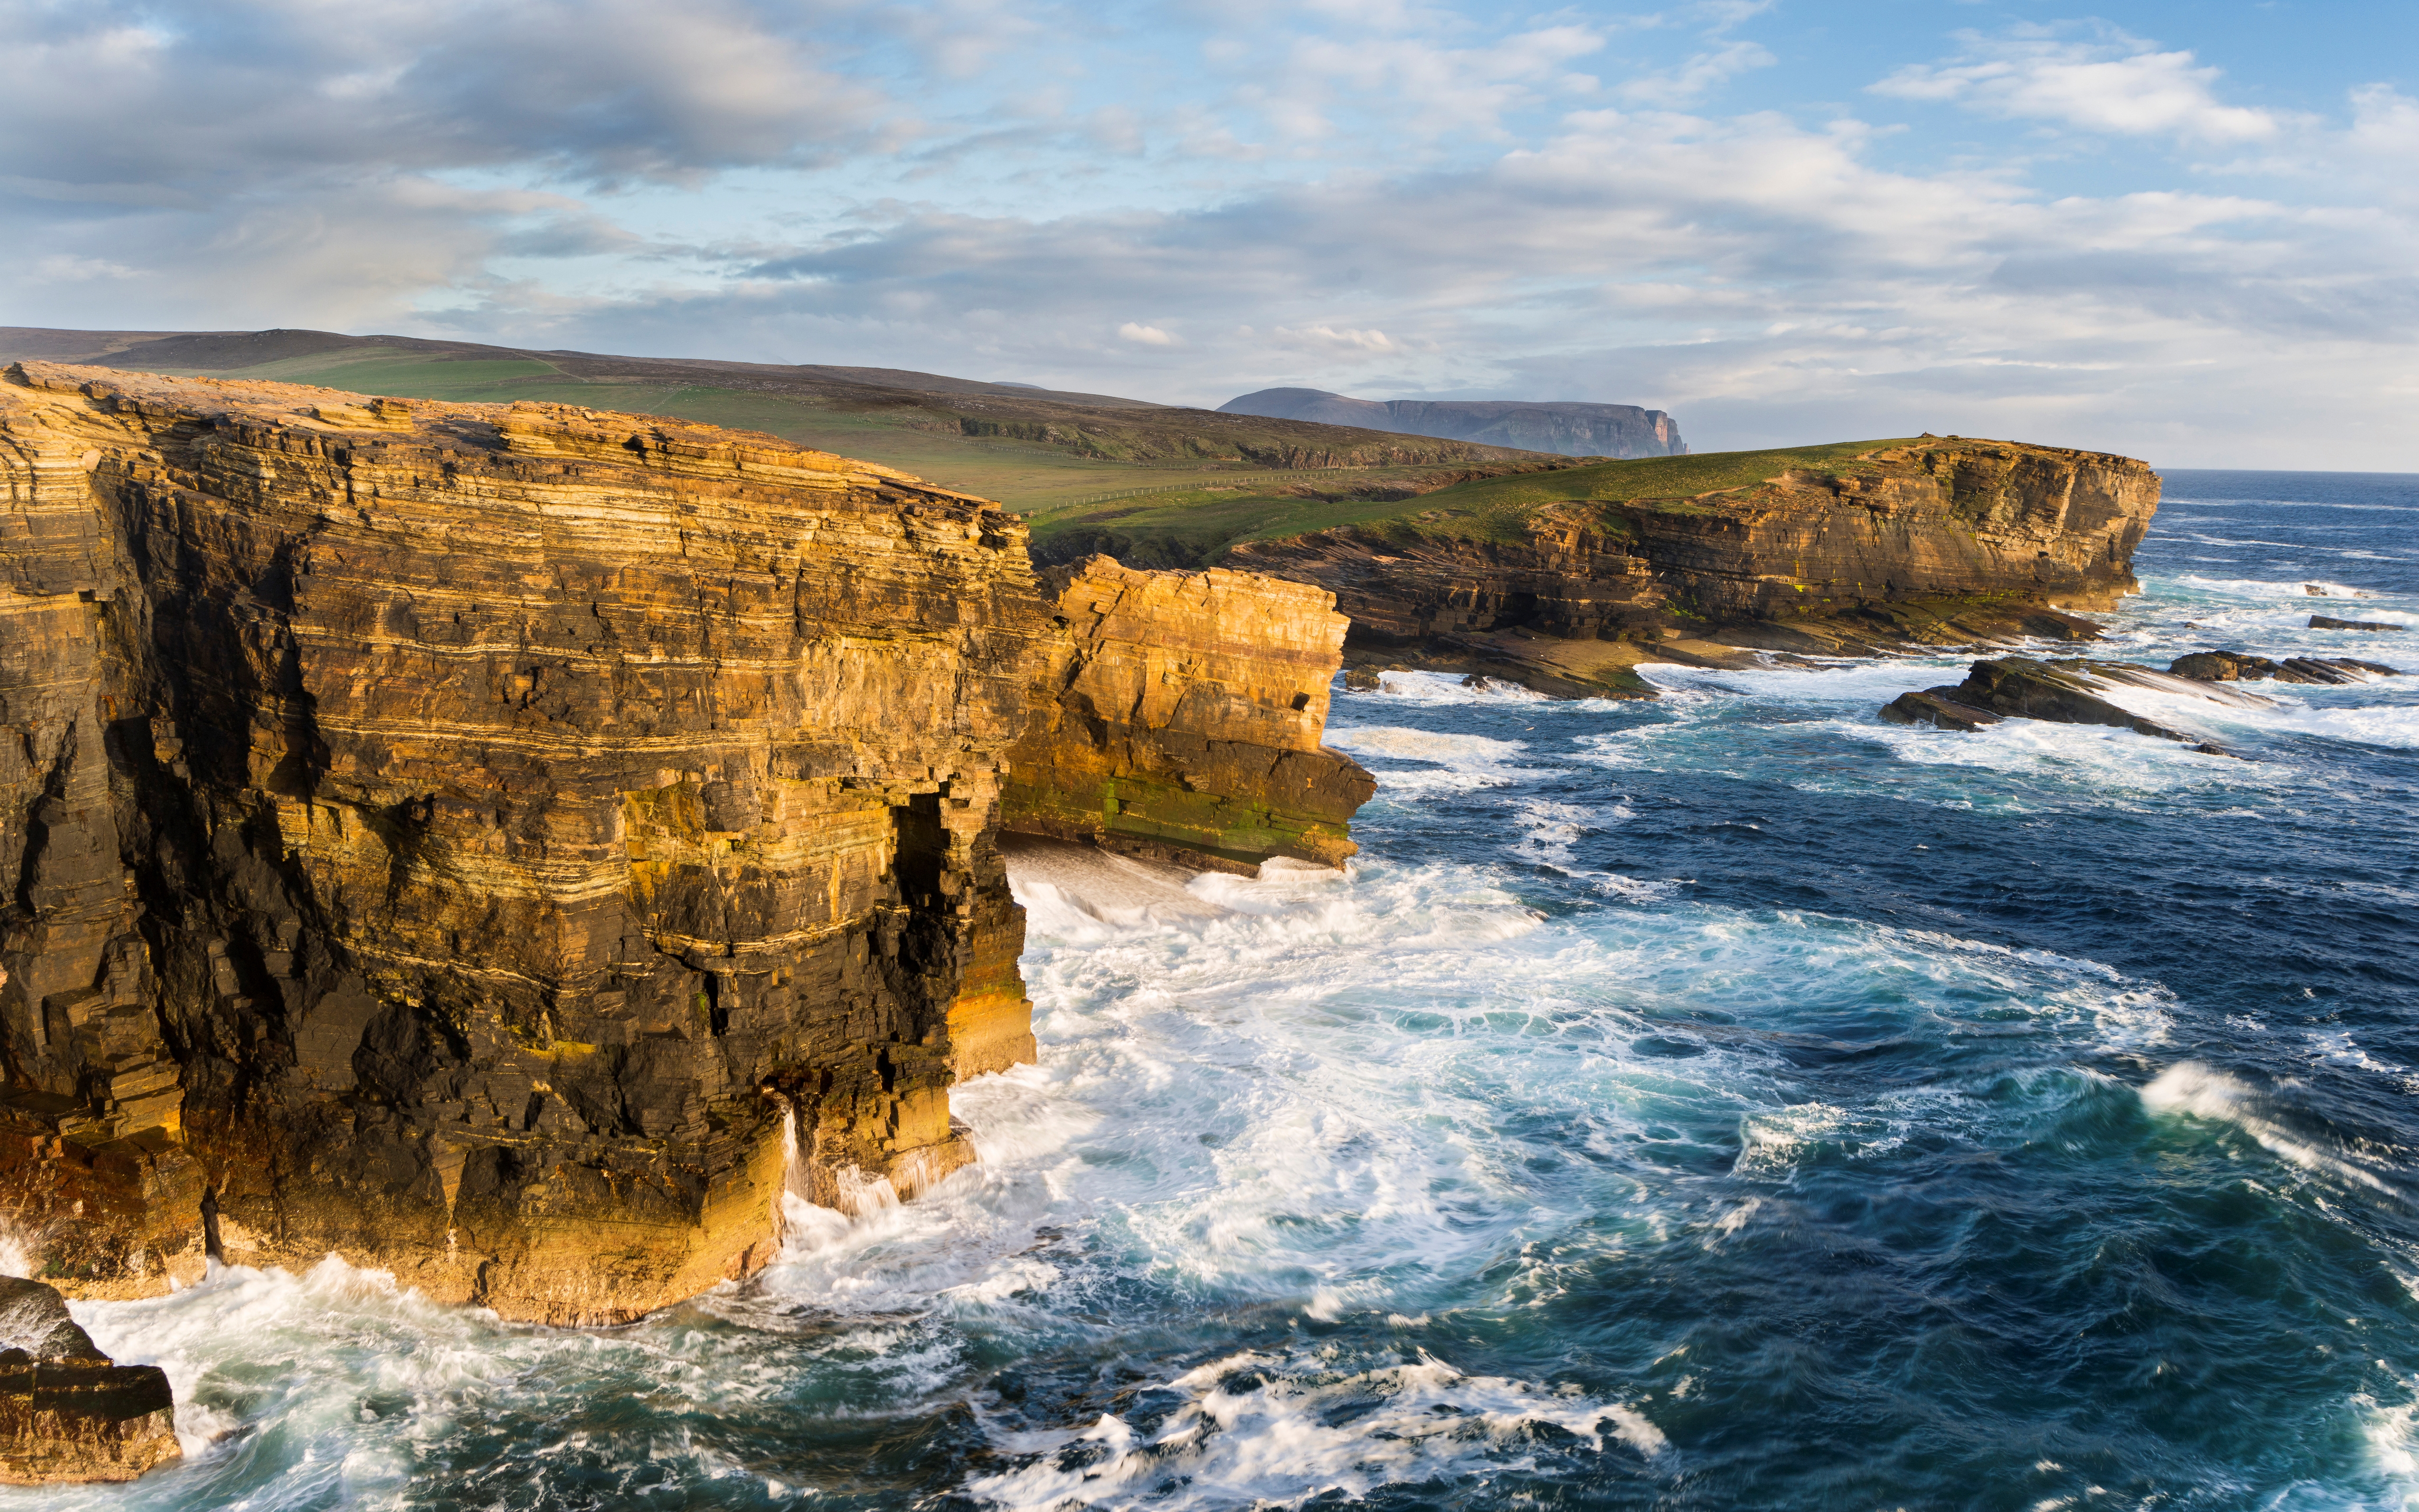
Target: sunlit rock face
465	837
441	826
1184	718
1947	541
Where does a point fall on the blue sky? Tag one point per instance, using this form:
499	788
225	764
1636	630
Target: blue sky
2186	233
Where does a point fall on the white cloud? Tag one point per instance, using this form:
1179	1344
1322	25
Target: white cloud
1697	77
2119	84
1146	336
61	268
1333	342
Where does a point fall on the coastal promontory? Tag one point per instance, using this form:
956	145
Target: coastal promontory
511	845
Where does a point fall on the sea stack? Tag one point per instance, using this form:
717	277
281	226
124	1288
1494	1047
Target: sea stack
67	1412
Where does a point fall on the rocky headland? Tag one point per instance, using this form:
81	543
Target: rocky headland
1569	428
510	845
1566	580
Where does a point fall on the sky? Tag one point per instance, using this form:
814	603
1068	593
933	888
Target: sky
2183	232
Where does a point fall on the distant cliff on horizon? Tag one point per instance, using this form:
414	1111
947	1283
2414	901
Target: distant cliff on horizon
1569	428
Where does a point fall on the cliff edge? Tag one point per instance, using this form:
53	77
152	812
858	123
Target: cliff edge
1563	579
505	845
1184	721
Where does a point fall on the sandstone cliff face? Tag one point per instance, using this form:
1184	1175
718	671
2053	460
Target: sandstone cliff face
1945	541
448	835
1183	721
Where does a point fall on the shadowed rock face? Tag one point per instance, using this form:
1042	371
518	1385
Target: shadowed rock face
66	1412
1570	427
1949	542
1184	718
452	836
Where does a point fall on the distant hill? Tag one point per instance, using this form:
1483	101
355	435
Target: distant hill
1031	448
1571	428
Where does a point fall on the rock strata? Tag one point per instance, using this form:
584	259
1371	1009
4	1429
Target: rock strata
1945	542
1184	721
505	846
2063	693
2232	667
67	1412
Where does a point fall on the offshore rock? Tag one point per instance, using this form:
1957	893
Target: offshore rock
67	1412
1946	542
441	826
2230	667
2322	621
1184	721
1938	707
2061	692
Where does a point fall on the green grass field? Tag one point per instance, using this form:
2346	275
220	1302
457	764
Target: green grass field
1026	477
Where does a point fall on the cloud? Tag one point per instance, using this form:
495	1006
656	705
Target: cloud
2117	84
211	97
1699	76
1392	196
1769	278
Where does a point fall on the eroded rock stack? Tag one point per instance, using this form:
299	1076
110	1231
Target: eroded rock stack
453	835
1184	720
67	1412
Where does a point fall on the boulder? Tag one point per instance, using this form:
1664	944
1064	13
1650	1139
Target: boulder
2061	692
2038	690
1938	707
66	1412
2230	667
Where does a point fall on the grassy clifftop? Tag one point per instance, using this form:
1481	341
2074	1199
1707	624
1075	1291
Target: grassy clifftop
1031	449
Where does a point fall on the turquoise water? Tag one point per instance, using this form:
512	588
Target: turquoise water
1724	1102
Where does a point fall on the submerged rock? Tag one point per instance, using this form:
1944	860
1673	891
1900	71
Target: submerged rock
67	1412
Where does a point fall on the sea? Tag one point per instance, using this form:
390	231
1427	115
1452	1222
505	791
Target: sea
1726	1101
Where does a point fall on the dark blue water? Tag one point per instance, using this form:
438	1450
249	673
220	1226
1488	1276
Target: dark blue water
1728	1102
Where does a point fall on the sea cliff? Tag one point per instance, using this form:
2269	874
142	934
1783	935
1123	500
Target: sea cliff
1558	578
502	845
1184	720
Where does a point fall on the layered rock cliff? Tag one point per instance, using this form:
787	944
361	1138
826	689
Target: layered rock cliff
1941	541
1184	720
1570	427
463	837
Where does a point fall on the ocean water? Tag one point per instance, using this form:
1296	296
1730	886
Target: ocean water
1726	1102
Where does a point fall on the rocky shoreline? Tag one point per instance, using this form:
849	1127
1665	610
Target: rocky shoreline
511	846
